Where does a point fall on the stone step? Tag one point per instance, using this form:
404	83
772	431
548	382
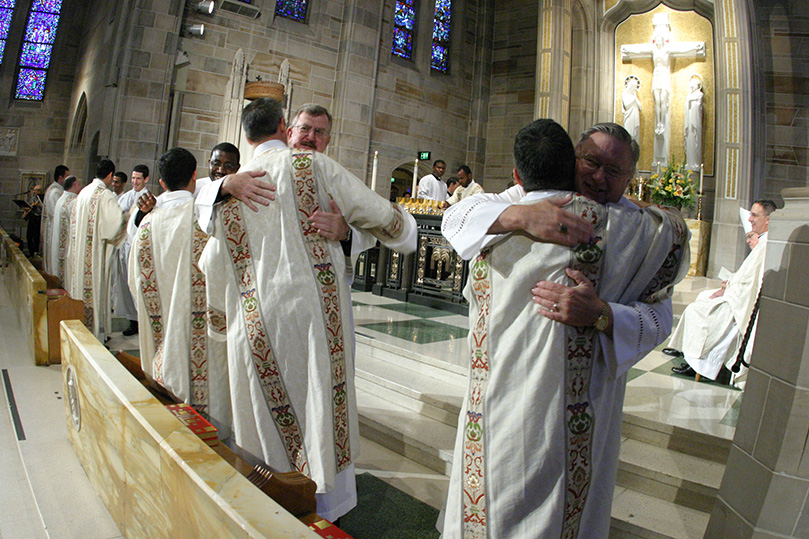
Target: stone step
639	515
669	475
688	442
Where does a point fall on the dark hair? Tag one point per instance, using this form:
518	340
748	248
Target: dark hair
312	109
767	204
121	176
60	170
617	132
439	161
176	168
451	180
105	168
260	119
69	181
465	169
143	169
544	156
227	147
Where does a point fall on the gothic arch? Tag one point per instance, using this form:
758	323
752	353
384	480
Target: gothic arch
79	123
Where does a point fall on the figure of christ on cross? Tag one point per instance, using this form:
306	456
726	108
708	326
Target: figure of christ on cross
661	49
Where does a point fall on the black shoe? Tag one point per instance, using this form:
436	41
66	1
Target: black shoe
684	369
672	352
132	329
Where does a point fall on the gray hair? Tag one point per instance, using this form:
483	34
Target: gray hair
617	132
312	109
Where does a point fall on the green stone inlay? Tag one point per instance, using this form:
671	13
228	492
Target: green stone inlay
732	417
414	310
634	373
419	331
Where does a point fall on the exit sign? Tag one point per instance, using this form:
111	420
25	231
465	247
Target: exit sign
424	156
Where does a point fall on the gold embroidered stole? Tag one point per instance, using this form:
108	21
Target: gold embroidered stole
87	296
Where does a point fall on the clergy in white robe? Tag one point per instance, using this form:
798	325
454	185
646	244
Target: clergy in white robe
177	350
289	332
52	194
539	433
61	226
100	228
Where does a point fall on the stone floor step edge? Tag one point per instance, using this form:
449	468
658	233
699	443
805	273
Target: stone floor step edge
410	401
385	351
689	442
635	514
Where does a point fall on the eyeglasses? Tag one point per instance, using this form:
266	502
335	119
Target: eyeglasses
227	166
306	129
592	164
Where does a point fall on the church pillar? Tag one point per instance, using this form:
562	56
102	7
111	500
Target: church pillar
735	114
766	482
552	97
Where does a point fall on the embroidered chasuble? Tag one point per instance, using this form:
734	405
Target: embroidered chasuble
46	239
99	229
539	432
177	350
289	333
61	233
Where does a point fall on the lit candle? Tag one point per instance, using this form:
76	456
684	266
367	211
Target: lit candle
373	173
701	175
413	193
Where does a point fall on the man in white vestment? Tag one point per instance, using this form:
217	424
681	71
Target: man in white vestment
431	186
468	187
52	194
711	329
125	303
119	180
289	335
61	225
537	447
176	349
100	228
606	156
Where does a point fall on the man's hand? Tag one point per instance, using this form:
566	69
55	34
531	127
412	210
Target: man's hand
330	225
246	187
721	291
576	306
146	202
545	221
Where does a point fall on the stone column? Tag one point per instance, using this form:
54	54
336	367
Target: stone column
552	98
766	482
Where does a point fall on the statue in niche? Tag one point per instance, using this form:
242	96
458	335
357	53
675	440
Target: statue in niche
662	50
631	106
692	120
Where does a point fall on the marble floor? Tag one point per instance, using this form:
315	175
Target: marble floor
37	463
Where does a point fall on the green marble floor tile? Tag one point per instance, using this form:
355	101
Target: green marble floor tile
732	417
665	368
419	331
414	310
119	324
634	373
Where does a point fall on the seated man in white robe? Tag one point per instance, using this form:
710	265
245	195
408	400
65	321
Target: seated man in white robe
176	348
100	228
710	330
289	332
61	225
538	438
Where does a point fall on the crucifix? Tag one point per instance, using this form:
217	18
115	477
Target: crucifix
662	50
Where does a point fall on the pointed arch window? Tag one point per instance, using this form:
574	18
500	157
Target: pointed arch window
6	12
37	47
404	21
292	9
441	26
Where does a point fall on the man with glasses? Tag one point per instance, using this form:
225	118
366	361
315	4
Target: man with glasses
606	156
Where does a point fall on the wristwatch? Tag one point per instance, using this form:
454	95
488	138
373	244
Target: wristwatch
603	319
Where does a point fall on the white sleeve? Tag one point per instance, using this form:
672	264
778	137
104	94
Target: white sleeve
361	240
637	329
204	202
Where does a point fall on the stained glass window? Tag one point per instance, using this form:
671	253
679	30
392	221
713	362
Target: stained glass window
35	56
291	9
6	11
404	21
440	53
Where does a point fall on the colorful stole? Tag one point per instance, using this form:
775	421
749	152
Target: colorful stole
87	297
581	345
198	364
266	366
320	258
64	233
474	491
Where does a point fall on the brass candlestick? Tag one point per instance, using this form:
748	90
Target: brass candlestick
699	206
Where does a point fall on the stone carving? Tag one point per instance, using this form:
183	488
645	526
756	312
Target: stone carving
692	120
631	106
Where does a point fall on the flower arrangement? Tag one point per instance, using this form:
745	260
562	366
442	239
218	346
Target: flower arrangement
672	186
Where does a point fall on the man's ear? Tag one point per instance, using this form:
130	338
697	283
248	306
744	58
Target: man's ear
516	176
163	184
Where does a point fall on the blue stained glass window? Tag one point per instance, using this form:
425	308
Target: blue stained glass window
37	47
6	11
441	26
404	20
8	4
291	9
31	84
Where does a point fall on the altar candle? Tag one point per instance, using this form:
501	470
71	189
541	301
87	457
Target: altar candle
415	178
373	173
701	174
